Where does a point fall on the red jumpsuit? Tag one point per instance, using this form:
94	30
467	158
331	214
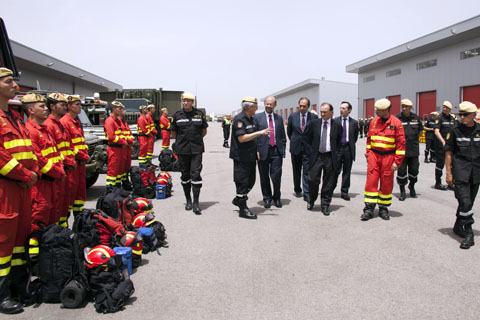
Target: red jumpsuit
385	146
77	183
116	144
165	127
143	138
151	141
64	146
127	156
17	161
44	199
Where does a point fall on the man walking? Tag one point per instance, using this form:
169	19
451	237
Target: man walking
324	136
443	125
412	127
298	124
271	150
346	154
430	138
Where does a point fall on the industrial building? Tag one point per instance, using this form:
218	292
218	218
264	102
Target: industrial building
318	91
443	65
41	71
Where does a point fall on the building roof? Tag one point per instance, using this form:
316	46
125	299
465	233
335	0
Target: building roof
301	86
42	63
462	31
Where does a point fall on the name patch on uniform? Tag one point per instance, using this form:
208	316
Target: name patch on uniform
240	124
391	127
437	121
448	136
197	116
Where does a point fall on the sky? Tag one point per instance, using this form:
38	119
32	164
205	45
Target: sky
223	50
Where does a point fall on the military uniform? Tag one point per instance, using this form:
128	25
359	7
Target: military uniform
189	147
430	141
464	144
412	127
361	126
226	123
444	123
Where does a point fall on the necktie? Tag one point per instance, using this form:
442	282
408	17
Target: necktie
303	122
323	142
272	134
344	132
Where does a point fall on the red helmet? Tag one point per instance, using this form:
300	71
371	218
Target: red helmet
143	219
134	240
99	255
144	205
165	173
162	180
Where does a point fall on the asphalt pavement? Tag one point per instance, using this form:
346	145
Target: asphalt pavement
291	263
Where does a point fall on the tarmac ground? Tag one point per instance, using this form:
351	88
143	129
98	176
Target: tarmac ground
291	263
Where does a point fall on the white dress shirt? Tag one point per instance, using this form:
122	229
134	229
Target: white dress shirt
346	123
329	125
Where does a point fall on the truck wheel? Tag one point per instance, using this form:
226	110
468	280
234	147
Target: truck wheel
92	179
135	150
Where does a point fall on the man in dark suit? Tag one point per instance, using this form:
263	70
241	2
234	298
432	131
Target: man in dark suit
346	154
324	136
298	123
271	150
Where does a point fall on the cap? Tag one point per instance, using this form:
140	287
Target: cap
151	106
71	98
32	98
382	104
117	104
406	102
4	72
188	96
142	107
250	99
447	104
433	113
57	97
467	106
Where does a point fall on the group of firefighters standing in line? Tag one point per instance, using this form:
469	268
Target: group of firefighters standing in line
42	175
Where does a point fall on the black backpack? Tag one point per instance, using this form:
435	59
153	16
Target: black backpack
167	160
55	261
111	202
142	182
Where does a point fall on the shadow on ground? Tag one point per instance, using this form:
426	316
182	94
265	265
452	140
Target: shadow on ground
449	232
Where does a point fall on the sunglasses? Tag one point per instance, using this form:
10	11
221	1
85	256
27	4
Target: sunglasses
465	114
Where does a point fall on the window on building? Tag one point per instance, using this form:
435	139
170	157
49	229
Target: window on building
369	78
469	53
394	72
426	64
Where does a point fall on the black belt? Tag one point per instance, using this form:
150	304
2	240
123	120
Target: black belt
115	145
324	153
383	153
46	178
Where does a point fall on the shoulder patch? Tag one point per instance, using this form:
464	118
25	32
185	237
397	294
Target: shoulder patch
437	121
448	136
239	124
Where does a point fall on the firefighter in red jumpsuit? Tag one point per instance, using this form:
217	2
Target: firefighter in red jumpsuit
165	127
385	153
116	144
143	135
153	132
49	161
77	183
18	173
127	155
57	103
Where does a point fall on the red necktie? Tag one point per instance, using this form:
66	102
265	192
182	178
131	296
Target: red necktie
272	134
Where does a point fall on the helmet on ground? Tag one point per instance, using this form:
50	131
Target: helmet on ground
133	240
143	219
99	255
143	205
162	180
165	173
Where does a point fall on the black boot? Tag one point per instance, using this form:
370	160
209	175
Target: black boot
186	189
196	195
403	195
459	227
368	211
383	213
468	241
426	157
413	193
244	211
7	304
438	184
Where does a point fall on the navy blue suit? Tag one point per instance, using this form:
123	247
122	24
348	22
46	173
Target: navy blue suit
299	150
271	158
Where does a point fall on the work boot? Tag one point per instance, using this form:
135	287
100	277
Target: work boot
236	202
440	186
468	241
413	193
368	211
403	196
383	213
458	227
433	160
196	206
10	306
186	189
426	157
245	211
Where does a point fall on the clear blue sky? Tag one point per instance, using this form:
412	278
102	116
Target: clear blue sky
223	50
